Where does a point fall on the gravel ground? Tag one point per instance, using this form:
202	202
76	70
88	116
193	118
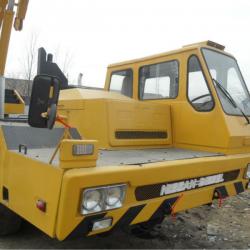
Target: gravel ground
205	227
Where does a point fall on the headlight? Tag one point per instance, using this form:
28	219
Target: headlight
102	198
247	175
92	200
114	196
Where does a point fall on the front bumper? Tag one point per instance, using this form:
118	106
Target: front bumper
72	224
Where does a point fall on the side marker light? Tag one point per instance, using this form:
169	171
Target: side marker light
41	205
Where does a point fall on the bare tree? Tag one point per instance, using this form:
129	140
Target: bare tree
64	58
29	61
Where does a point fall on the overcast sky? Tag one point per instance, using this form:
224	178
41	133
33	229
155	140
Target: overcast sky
99	32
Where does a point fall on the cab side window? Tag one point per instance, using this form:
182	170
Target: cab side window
199	94
122	82
159	81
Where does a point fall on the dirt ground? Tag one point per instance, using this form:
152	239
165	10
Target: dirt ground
205	227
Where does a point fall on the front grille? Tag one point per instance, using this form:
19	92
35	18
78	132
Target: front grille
141	135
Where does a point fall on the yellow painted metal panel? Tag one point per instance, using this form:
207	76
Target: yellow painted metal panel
15	108
138	116
91	121
10	108
28	181
76	180
68	160
115	112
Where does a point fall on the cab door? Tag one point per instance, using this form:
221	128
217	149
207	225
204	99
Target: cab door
198	121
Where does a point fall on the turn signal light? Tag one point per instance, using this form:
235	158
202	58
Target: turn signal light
83	149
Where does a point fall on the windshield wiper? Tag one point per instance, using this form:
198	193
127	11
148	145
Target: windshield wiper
230	98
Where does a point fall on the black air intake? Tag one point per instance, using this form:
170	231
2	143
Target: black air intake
141	135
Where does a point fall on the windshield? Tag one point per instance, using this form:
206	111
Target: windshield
225	70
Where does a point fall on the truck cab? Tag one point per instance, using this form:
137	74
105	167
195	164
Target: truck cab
186	80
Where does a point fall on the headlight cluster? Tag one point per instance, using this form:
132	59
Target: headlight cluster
102	198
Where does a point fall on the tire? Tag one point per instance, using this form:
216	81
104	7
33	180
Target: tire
10	222
147	230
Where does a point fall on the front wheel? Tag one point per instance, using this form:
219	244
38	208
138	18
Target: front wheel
147	230
10	222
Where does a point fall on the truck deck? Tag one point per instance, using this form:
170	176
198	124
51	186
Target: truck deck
143	156
125	156
41	144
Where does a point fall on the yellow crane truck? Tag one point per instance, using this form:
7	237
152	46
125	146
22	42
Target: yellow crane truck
169	132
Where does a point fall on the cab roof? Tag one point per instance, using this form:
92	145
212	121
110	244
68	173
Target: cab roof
208	44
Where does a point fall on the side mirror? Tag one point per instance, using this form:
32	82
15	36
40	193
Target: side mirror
43	103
